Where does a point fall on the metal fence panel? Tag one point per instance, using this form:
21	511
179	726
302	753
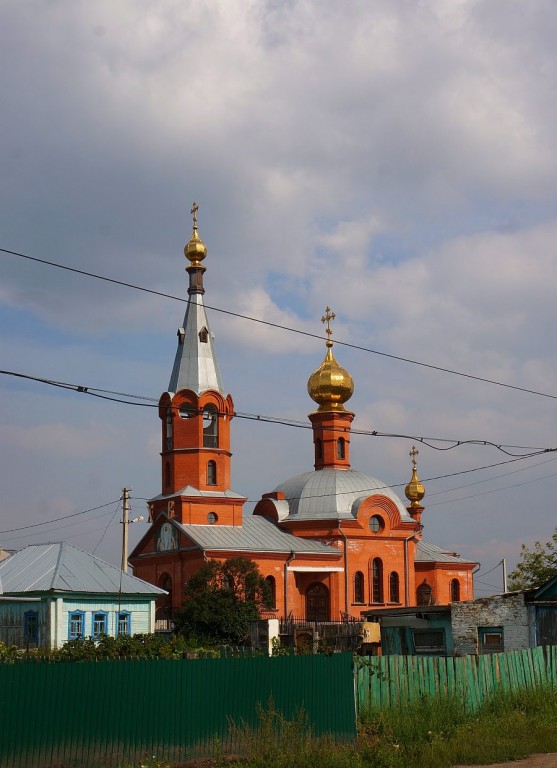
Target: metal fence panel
92	713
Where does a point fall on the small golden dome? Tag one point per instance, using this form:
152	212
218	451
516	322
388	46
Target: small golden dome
330	385
415	490
195	250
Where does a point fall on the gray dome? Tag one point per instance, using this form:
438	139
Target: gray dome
331	493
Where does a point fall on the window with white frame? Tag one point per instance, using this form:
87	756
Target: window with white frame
76	625
100	623
124	623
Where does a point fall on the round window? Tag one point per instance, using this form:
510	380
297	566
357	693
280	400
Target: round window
376	524
212	518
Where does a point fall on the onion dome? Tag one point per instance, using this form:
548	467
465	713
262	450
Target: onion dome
195	250
415	490
330	385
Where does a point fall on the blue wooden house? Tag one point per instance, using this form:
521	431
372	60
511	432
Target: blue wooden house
52	593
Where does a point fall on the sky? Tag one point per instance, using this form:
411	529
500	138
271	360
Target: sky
393	160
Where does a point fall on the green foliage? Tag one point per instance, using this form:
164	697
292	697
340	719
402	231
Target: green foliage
8	652
124	646
536	565
222	599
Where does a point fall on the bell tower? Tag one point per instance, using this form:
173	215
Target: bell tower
195	416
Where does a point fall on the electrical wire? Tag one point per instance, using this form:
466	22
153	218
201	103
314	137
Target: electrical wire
489	479
59	528
116	510
494	490
281	327
427	441
56	519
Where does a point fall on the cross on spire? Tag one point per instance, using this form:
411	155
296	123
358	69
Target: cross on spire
327	317
413	453
193	212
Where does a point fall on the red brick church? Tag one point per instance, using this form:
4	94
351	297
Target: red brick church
331	542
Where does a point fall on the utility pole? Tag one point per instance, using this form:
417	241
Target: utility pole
125	523
504	564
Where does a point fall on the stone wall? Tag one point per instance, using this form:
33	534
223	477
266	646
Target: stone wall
507	611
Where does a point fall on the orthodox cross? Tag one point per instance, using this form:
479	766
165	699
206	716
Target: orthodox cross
193	212
414	452
327	317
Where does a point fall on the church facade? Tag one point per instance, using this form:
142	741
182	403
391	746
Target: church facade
332	542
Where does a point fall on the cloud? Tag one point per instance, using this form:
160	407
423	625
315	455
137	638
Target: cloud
394	161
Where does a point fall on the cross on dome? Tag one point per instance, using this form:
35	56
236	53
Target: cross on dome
327	317
193	212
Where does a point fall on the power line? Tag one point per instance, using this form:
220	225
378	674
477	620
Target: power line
423	440
494	490
489	479
61	527
56	519
107	526
281	327
394	485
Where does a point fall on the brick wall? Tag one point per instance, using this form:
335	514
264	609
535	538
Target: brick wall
507	611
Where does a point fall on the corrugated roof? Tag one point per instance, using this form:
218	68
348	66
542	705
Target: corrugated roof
64	568
256	534
430	553
195	364
330	493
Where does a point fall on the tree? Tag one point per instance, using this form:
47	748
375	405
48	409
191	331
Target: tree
536	565
221	600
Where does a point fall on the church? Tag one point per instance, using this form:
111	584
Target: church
331	543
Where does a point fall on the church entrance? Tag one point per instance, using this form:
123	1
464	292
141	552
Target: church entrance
317	603
163	610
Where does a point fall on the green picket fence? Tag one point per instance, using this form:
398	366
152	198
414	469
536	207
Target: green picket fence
106	712
387	681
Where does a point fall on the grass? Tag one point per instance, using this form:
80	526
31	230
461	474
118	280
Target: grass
433	733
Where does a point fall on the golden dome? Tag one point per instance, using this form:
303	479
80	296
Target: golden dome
330	385
415	490
195	250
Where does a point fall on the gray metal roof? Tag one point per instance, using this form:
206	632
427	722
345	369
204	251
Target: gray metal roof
195	364
430	553
331	493
256	534
64	568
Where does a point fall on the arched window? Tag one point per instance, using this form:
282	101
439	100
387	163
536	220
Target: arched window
168	444
377	580
210	427
455	591
167	474
272	600
424	594
394	596
186	411
211	473
358	587
318	449
340	448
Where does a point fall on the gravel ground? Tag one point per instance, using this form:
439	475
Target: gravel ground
534	761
